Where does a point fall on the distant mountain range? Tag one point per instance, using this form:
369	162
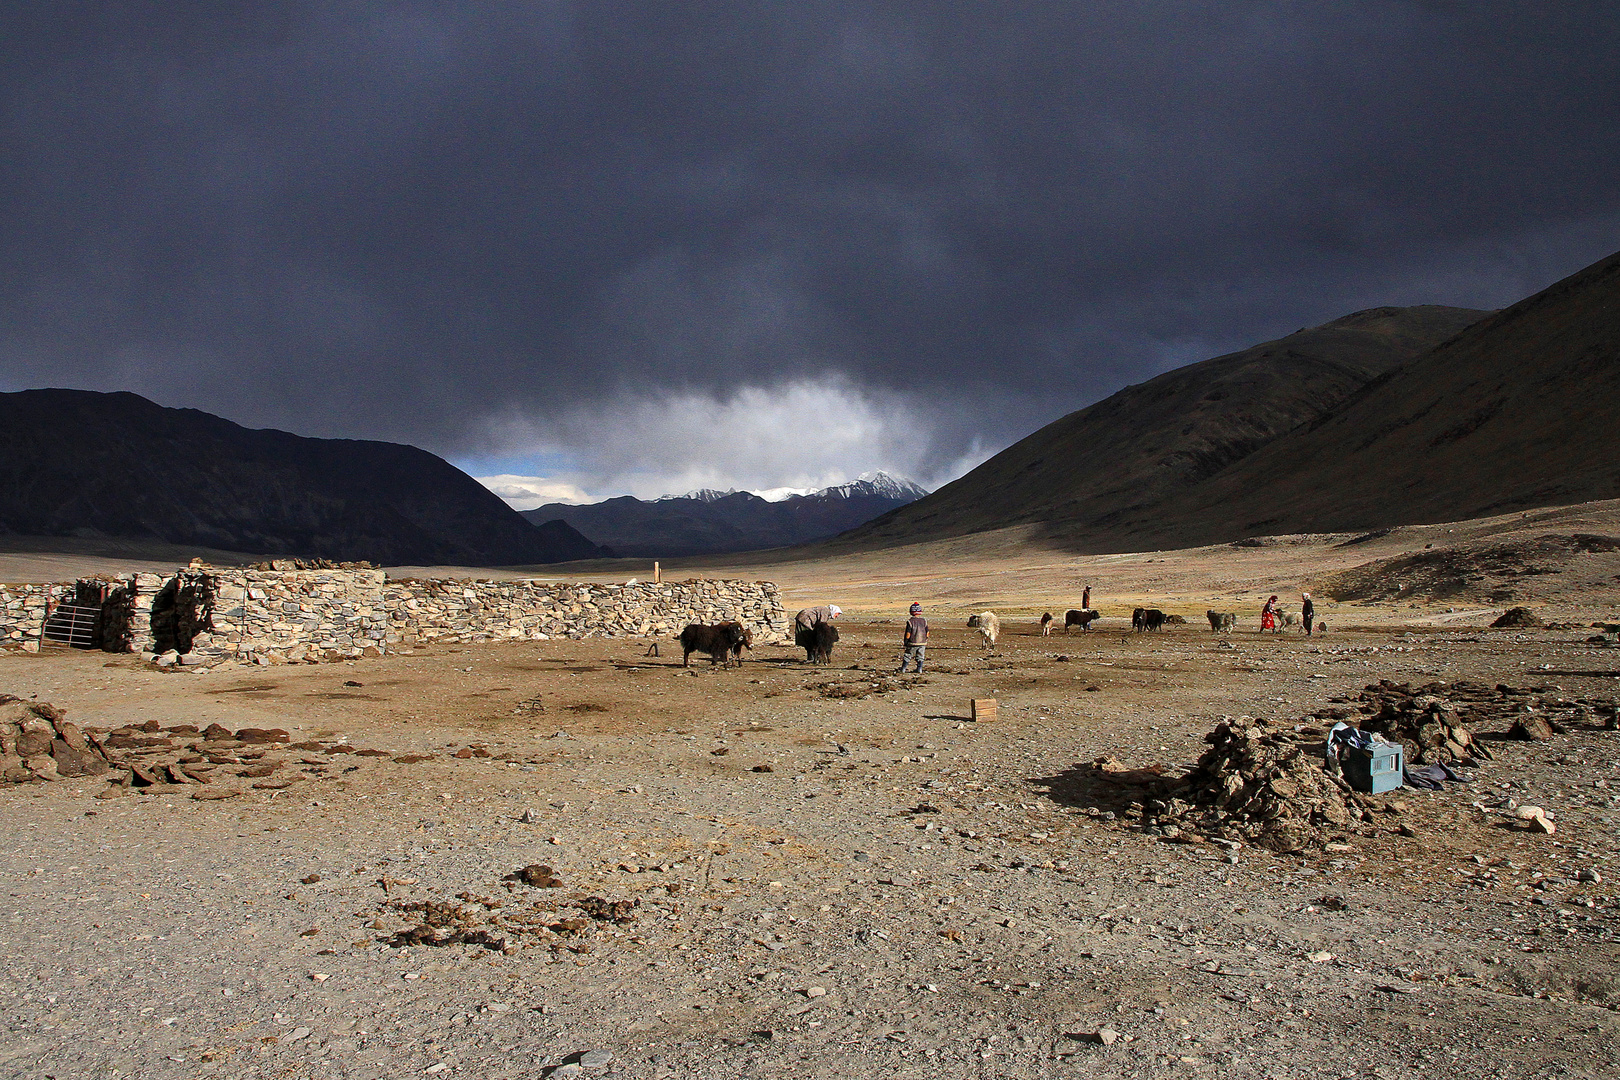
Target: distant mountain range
1105	478
1394	416
77	463
711	522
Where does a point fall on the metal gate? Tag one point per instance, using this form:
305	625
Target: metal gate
74	625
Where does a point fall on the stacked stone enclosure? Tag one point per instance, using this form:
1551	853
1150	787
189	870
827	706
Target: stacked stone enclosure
289	616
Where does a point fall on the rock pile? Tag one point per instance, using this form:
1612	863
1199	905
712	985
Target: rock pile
1256	783
39	742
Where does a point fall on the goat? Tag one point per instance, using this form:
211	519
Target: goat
1046	624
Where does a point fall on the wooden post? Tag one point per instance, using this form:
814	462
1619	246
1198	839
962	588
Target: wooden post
984	710
656	578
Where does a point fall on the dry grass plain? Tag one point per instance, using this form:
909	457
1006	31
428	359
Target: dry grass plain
902	893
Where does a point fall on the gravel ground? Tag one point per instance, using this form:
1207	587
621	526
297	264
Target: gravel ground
904	893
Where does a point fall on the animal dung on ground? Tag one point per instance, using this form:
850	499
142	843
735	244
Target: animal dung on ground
1518	616
983	710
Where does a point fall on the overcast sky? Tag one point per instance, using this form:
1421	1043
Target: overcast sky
646	247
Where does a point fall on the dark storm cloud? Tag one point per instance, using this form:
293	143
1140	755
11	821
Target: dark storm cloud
449	222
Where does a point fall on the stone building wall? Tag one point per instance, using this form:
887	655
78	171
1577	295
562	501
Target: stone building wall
275	616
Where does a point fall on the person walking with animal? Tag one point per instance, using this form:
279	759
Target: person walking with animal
914	640
1085	599
1268	615
1307	612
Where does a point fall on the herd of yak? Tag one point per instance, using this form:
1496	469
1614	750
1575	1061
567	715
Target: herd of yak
724	642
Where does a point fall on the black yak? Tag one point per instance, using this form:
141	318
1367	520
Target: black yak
719	641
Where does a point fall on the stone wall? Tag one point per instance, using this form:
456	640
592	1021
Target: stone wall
284	616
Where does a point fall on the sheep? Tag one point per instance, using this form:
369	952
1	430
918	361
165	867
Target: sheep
719	641
988	626
1221	621
1083	618
1287	619
1046	624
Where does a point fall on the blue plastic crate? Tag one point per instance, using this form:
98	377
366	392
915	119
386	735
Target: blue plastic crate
1379	767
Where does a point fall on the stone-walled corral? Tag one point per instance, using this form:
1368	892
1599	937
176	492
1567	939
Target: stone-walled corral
204	614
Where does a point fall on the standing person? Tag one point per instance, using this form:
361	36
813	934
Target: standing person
1085	599
804	626
1268	614
915	639
1307	612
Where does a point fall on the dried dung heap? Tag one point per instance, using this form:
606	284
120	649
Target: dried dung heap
1258	784
39	742
1520	617
1424	721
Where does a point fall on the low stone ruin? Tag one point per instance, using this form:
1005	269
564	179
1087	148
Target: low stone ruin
302	613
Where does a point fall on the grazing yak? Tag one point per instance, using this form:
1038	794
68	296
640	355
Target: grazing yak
988	626
822	638
745	641
1147	619
816	641
1082	617
1046	624
1221	621
720	642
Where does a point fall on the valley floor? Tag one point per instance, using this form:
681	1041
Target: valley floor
903	893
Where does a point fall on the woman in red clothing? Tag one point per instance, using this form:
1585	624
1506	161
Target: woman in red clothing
1268	614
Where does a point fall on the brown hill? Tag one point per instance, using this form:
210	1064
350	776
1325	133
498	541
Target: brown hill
1101	474
1521	410
74	463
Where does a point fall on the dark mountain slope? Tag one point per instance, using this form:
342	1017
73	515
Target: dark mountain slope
711	522
1521	410
76	463
1100	475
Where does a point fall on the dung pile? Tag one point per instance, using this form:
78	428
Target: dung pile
1518	617
1436	720
503	926
1428	724
1255	783
39	742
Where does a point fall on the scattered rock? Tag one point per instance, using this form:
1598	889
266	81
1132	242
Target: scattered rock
1518	617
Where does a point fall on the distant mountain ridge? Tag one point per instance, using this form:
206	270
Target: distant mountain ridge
1519	411
709	522
80	463
1103	478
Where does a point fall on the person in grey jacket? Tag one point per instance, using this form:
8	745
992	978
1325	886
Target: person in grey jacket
915	639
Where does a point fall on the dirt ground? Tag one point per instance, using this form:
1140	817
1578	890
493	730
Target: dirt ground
782	870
